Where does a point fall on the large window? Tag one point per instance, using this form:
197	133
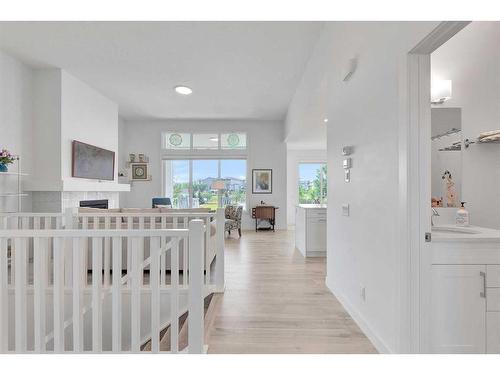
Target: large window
205	183
204	169
312	183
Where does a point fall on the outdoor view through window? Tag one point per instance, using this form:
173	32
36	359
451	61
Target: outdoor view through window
205	183
312	183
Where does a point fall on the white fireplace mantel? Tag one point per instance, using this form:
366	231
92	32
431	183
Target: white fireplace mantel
74	184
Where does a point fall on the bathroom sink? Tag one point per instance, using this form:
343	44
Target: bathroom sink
458	230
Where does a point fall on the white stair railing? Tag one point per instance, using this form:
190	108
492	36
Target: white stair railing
36	298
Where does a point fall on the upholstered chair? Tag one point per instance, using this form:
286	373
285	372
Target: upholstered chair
233	218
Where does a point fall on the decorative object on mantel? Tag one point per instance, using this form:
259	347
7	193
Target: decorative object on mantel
262	181
485	137
139	172
6	158
131	158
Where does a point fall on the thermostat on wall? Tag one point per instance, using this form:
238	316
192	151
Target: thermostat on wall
346	150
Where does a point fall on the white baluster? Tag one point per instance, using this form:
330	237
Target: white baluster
195	316
135	295
174	296
206	250
185	257
40	274
107	252
4	297
117	295
96	294
58	295
79	272
219	255
154	282
130	225
20	295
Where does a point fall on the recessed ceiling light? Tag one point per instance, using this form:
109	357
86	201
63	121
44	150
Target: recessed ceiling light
183	90
325	120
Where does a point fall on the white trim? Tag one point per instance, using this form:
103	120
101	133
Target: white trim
414	184
369	332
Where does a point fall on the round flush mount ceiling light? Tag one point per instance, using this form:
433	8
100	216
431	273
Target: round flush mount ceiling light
183	90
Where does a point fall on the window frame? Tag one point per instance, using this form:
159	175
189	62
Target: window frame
323	183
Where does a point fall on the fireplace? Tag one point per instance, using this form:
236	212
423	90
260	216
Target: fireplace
98	203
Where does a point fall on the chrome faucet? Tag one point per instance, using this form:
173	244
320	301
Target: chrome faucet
434	213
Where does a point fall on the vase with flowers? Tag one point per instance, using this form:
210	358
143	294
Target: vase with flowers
6	158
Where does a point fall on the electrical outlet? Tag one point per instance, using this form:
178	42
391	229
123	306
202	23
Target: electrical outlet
363	294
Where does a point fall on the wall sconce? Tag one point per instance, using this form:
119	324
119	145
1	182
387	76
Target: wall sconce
440	91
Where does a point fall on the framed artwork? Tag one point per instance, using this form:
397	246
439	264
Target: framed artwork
139	171
262	181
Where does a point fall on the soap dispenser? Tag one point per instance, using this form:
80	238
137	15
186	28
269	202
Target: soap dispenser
462	217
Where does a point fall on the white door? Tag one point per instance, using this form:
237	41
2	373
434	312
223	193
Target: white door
458	313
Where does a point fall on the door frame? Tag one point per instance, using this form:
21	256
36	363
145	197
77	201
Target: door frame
415	186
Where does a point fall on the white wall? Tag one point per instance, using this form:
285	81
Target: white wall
364	112
266	149
16	117
293	158
86	116
471	59
46	153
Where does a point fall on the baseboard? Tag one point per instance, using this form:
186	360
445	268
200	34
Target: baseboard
379	344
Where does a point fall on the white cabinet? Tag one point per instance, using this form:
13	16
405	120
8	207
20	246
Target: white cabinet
458	314
310	230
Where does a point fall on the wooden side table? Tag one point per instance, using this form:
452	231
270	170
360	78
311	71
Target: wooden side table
267	213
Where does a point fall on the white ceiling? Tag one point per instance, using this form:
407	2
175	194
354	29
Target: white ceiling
236	69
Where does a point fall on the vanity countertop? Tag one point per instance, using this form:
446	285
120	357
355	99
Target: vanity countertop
306	206
453	233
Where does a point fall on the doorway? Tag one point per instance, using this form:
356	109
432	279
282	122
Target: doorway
415	186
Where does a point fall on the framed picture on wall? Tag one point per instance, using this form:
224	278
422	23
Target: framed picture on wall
262	181
139	172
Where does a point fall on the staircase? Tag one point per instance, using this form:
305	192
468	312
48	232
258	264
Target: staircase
211	303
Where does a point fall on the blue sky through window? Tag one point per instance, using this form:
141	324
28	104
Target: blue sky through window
307	171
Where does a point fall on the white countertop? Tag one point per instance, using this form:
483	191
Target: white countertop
453	233
306	206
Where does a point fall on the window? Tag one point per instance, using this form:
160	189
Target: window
223	142
207	183
177	141
205	141
233	141
312	183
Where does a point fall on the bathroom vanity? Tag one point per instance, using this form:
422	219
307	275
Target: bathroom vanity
310	229
463	290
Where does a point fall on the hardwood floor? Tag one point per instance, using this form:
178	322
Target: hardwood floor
277	302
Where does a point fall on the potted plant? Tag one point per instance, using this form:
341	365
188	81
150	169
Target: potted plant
6	158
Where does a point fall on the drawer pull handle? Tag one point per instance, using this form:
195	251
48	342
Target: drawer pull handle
483	293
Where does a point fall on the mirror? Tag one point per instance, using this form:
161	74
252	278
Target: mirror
446	157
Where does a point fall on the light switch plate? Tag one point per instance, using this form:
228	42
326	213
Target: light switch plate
345	209
347	175
347	163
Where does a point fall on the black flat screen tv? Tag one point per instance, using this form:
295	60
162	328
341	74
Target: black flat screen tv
92	162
